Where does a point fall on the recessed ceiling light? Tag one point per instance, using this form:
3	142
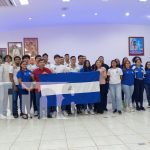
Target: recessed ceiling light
142	0
65	0
95	14
105	0
24	2
63	15
148	16
127	14
30	18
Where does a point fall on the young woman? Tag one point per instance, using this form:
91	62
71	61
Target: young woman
115	76
147	81
25	79
139	72
100	107
123	61
128	84
87	68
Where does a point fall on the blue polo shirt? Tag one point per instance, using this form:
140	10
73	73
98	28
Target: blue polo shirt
139	73
128	77
147	77
25	76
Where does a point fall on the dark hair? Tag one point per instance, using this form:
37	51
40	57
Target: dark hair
85	67
72	57
146	65
124	64
134	59
112	62
17	57
7	57
1	57
66	54
95	67
80	56
37	56
45	54
123	60
41	59
25	56
61	57
138	59
21	64
56	56
101	56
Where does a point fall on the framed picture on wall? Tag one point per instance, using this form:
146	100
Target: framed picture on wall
136	46
31	46
15	49
3	52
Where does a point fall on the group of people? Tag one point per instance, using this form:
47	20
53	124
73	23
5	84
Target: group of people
19	82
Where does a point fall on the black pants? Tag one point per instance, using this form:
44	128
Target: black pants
138	92
100	107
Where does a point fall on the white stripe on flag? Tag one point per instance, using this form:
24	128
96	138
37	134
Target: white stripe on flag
70	88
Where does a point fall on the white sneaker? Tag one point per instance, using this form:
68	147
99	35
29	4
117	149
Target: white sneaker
132	109
54	114
86	112
92	112
65	113
10	117
3	117
35	113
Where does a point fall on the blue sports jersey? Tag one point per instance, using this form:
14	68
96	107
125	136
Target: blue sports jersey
139	72
25	76
147	77
128	77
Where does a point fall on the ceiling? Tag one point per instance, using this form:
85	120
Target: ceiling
43	13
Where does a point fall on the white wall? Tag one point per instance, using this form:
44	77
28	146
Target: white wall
111	41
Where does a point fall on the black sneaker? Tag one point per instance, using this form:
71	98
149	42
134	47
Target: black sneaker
119	112
138	108
115	111
142	108
15	116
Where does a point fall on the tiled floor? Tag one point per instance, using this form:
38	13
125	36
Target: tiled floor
130	131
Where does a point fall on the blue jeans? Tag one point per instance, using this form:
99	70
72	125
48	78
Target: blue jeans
115	90
147	88
128	92
16	94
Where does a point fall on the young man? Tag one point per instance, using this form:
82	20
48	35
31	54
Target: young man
47	63
40	70
59	68
80	61
13	70
67	60
62	61
7	87
73	67
34	66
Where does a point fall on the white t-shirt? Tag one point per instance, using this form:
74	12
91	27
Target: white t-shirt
115	75
75	69
1	73
32	67
80	66
60	69
6	72
14	71
49	66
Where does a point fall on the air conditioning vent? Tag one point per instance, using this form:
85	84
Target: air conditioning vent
7	3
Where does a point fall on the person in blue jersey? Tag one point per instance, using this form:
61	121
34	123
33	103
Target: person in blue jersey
25	79
147	82
87	68
139	72
128	84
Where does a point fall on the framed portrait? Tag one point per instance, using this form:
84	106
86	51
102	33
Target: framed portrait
3	52
15	49
31	46
136	46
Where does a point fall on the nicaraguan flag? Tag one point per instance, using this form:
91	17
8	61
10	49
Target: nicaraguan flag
64	88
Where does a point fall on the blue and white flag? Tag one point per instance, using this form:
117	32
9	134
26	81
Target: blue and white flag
80	88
